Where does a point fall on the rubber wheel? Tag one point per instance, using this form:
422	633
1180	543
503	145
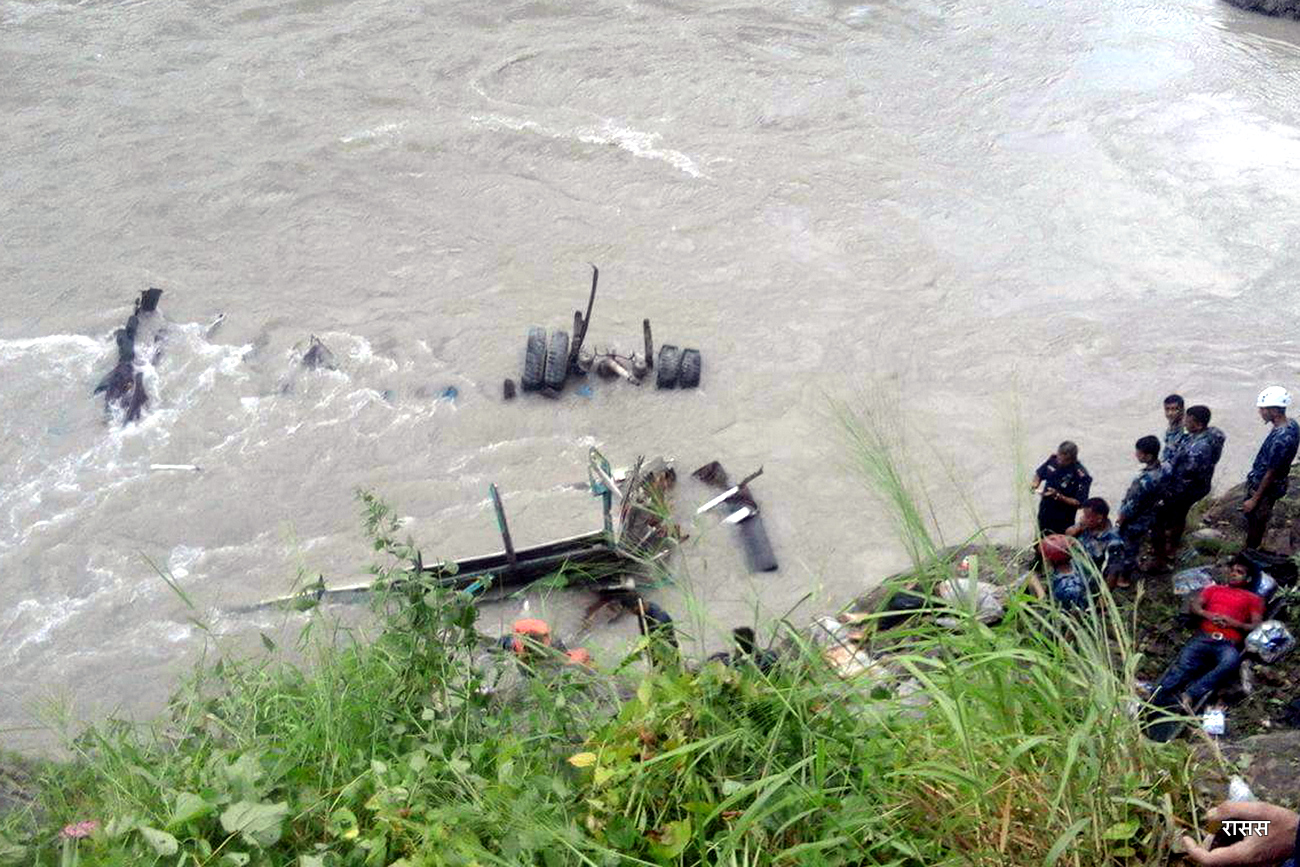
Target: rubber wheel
689	376
667	365
534	360
758	548
557	360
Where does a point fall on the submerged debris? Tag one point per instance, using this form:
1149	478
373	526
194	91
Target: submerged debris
318	356
550	361
123	386
1281	8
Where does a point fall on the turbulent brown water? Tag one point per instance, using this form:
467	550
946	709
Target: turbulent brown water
1001	223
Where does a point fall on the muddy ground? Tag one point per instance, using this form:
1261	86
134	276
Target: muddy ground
1215	532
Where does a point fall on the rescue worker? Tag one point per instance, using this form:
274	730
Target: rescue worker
1267	481
1175	434
1065	485
1071	589
1188	475
1099	538
1137	513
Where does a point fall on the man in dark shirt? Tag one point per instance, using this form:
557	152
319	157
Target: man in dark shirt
1267	481
1065	483
1188	474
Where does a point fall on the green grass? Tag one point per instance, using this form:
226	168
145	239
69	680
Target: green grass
1007	745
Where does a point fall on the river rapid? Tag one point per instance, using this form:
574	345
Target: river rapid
998	223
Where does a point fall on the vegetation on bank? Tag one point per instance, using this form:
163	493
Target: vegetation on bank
1006	744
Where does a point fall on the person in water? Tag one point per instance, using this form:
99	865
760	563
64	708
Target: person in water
1267	481
1137	513
1065	485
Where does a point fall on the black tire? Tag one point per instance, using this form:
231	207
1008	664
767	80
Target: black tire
758	548
689	375
667	365
534	360
557	360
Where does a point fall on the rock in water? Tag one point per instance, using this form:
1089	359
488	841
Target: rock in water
1285	8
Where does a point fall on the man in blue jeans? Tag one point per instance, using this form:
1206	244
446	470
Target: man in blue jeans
1227	613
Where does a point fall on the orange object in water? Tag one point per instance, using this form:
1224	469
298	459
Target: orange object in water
579	656
1056	548
533	628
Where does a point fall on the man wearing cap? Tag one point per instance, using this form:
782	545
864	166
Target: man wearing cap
1267	480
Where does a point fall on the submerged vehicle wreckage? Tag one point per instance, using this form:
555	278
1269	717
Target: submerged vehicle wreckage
635	535
548	364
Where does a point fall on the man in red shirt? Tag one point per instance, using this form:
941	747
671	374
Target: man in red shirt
1227	613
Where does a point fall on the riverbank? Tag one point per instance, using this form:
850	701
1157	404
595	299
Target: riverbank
1014	741
415	746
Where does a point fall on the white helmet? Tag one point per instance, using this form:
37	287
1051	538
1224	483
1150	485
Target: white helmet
1274	395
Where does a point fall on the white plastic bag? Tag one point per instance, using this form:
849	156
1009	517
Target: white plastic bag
1270	640
986	601
1190	581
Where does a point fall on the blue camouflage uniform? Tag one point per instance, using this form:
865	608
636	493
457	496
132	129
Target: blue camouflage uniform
1175	436
1105	547
1138	510
1071	590
1189	472
1278	450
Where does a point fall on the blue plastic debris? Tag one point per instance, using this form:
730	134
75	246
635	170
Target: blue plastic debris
450	393
585	390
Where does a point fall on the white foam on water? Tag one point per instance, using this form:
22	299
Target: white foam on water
181	559
382	134
60	345
639	143
42	618
642	144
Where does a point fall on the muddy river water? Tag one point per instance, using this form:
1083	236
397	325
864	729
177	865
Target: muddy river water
996	223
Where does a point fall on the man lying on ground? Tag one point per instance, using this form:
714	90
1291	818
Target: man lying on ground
1227	613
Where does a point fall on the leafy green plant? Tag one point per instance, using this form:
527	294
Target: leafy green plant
421	745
